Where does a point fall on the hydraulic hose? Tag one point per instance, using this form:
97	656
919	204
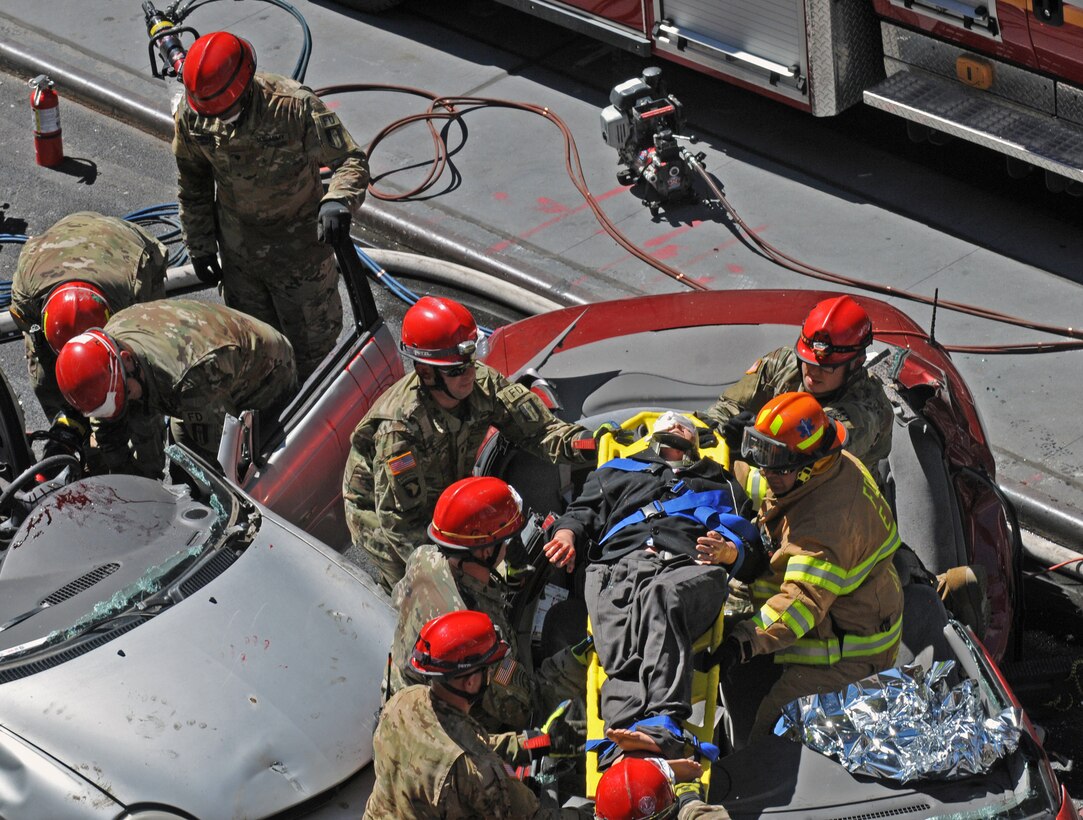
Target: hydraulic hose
428	269
300	68
452	109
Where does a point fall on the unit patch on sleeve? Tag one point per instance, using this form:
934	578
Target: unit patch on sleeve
400	464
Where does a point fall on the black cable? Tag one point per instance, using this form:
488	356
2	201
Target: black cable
300	69
454	108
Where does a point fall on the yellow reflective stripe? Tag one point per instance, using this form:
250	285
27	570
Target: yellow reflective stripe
858	646
859	573
765	617
811	652
776	425
755	487
798	618
811	440
817	572
826	651
834	578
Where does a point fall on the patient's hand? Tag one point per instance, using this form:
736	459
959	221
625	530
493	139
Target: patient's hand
561	550
714	549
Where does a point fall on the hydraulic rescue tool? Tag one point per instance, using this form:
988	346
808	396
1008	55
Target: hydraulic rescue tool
643	122
164	30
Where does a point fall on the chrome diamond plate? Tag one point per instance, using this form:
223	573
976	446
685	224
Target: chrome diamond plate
1052	144
1070	103
844	53
936	57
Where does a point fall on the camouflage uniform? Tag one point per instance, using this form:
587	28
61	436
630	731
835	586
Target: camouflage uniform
125	263
407	450
432	587
860	404
251	189
196	362
435	761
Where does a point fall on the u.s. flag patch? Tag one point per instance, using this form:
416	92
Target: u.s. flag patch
503	673
400	464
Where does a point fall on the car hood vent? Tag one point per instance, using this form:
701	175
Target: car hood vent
85	581
207	573
33	667
901	811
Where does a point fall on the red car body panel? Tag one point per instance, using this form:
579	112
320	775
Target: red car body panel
949	407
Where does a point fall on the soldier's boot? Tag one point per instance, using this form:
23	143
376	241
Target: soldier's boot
964	591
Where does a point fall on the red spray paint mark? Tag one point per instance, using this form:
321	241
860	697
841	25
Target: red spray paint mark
550	206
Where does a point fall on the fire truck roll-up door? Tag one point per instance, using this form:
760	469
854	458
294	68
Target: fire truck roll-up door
962	89
816	55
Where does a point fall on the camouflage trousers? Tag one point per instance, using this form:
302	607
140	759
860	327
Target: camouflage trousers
40	365
294	289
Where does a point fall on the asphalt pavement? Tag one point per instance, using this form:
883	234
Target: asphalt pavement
507	206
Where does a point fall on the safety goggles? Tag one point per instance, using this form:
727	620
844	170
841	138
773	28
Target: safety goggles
767	453
822	349
458	369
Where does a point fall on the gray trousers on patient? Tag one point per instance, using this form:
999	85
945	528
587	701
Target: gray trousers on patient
645	613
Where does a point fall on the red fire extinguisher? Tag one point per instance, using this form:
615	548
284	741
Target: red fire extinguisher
48	144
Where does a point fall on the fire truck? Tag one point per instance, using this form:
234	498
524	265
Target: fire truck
1005	74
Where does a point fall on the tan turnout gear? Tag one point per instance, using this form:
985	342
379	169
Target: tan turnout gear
831	606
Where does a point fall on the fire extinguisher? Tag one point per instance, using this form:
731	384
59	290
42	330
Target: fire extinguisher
48	144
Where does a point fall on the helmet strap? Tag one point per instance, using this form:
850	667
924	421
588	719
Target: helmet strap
473	698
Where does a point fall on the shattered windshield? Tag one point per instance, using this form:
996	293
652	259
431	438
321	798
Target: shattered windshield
141	538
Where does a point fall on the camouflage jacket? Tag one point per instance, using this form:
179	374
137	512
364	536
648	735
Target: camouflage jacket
431	587
261	173
434	761
196	362
127	264
861	405
407	450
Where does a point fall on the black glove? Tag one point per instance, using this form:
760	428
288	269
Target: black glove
559	736
207	269
727	656
620	435
334	224
734	430
66	436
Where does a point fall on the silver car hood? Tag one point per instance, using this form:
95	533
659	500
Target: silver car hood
256	693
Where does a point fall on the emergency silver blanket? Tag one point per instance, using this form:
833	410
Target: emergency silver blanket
904	723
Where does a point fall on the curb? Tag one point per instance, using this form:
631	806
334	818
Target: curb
1036	509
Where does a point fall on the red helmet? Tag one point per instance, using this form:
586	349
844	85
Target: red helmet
439	332
634	789
69	309
476	512
217	72
91	377
836	331
791	430
457	643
